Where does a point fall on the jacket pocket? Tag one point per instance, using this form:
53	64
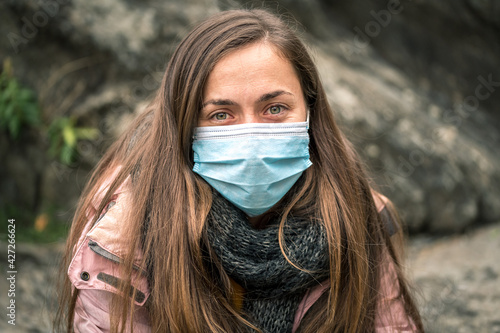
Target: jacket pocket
93	267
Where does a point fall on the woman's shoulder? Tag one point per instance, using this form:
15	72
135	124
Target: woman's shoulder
381	201
384	208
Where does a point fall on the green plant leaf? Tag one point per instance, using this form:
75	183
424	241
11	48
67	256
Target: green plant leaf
25	95
64	137
11	88
3	95
67	153
69	136
9	111
32	114
86	133
18	105
14	124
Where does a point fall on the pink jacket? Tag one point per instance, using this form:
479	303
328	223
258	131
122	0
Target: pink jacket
94	271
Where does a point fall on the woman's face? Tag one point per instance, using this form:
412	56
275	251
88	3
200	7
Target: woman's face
252	84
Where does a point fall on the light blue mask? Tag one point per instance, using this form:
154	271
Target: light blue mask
252	165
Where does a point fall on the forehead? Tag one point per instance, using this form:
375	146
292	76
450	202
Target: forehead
254	64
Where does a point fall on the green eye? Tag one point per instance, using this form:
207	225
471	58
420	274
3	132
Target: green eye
275	109
220	116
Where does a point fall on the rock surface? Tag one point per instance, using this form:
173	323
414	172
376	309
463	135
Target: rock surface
34	287
416	91
456	281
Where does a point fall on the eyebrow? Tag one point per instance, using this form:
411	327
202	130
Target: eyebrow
272	95
262	98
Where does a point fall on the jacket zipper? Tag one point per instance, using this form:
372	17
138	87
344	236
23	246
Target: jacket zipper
110	256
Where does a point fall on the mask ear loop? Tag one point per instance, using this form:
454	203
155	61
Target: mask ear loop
307	120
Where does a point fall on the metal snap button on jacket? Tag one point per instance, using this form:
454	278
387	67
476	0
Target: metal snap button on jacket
85	276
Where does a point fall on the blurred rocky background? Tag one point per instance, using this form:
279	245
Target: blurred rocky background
415	85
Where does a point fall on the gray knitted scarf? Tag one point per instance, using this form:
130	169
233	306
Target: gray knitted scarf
252	257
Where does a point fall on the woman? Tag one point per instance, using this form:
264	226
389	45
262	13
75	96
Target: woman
235	204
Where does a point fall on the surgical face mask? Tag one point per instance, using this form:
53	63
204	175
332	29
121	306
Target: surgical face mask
252	165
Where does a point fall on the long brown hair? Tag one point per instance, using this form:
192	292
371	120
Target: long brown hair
170	204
